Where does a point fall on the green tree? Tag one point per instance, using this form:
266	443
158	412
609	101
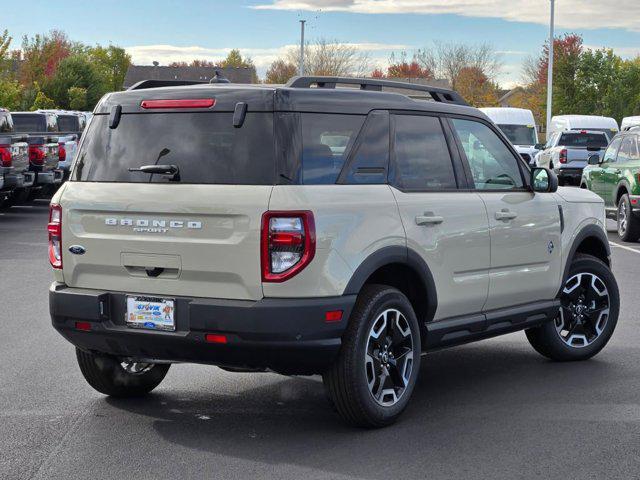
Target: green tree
623	95
235	60
280	72
111	63
596	72
42	54
76	71
78	98
10	94
42	102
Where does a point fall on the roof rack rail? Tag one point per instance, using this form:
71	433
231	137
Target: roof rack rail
141	85
438	94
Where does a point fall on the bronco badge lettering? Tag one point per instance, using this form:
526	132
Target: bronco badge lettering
153	225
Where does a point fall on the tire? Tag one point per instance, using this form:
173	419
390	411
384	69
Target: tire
107	375
628	224
381	313
585	338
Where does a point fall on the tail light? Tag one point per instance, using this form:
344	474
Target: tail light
288	244
179	103
55	235
62	152
37	154
563	156
5	155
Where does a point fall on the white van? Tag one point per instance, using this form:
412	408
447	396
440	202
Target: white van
519	126
628	122
560	123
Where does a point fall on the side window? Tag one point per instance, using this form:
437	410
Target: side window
611	151
627	150
492	164
370	160
326	141
5	124
422	158
635	149
550	140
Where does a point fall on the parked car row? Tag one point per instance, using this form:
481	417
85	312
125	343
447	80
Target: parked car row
36	151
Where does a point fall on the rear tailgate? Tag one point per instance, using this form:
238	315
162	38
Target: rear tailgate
199	240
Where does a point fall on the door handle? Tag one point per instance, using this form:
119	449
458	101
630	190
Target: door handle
505	214
428	219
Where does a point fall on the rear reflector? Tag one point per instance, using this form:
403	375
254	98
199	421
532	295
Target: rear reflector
179	103
84	326
215	338
333	316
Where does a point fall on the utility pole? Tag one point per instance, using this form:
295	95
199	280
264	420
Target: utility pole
302	22
550	70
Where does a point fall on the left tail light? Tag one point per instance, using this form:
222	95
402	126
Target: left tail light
55	235
37	154
288	244
563	156
62	152
5	155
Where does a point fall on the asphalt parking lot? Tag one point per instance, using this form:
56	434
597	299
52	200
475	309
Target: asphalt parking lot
494	409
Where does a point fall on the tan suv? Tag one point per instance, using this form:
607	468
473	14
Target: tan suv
315	228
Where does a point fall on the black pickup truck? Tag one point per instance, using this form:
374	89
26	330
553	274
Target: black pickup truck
42	129
16	178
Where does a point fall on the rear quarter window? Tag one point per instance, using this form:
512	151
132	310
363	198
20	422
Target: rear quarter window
205	147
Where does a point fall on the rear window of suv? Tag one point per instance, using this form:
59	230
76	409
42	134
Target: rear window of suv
205	147
583	140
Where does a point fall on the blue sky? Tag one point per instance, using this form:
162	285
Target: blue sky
167	30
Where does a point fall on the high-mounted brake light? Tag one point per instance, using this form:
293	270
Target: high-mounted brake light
55	235
5	155
215	338
563	156
288	244
179	103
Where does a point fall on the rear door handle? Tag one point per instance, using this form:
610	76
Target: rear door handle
505	214
428	219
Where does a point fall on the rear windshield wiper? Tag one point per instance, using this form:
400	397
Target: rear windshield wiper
171	170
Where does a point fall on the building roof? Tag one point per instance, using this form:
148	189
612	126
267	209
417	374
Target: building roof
137	73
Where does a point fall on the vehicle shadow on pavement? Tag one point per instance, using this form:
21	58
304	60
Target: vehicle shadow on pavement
470	402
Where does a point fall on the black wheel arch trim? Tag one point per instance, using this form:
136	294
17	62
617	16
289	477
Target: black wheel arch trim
586	232
396	254
621	184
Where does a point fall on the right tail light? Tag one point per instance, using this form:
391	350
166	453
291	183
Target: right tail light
5	155
288	244
62	152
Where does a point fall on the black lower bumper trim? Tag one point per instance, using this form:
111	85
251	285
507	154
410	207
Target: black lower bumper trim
285	335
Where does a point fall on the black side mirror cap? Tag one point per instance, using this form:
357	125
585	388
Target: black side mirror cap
539	146
594	159
544	180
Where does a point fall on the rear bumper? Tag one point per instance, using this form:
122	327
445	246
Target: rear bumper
569	173
285	335
52	177
19	180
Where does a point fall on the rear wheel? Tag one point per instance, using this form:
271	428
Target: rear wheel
590	303
628	224
374	376
120	377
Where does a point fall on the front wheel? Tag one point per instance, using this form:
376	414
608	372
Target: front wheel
628	224
376	371
590	303
118	377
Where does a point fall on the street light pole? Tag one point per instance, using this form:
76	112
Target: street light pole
302	22
550	70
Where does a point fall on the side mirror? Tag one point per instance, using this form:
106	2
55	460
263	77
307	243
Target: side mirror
543	180
539	146
594	159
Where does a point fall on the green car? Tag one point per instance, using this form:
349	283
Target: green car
616	178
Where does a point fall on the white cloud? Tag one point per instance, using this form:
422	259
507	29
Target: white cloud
262	57
569	13
624	52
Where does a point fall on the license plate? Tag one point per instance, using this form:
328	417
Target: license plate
151	312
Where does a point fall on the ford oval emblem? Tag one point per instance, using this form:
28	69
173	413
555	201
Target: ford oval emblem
77	249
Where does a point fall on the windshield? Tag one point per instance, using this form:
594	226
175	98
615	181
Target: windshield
583	140
520	134
205	147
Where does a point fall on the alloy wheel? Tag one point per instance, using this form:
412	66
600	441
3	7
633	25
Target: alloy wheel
584	310
622	218
389	357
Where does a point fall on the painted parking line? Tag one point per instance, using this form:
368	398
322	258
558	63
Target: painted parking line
614	244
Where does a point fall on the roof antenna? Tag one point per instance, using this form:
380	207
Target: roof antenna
219	78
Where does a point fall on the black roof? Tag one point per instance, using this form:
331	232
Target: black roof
283	98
